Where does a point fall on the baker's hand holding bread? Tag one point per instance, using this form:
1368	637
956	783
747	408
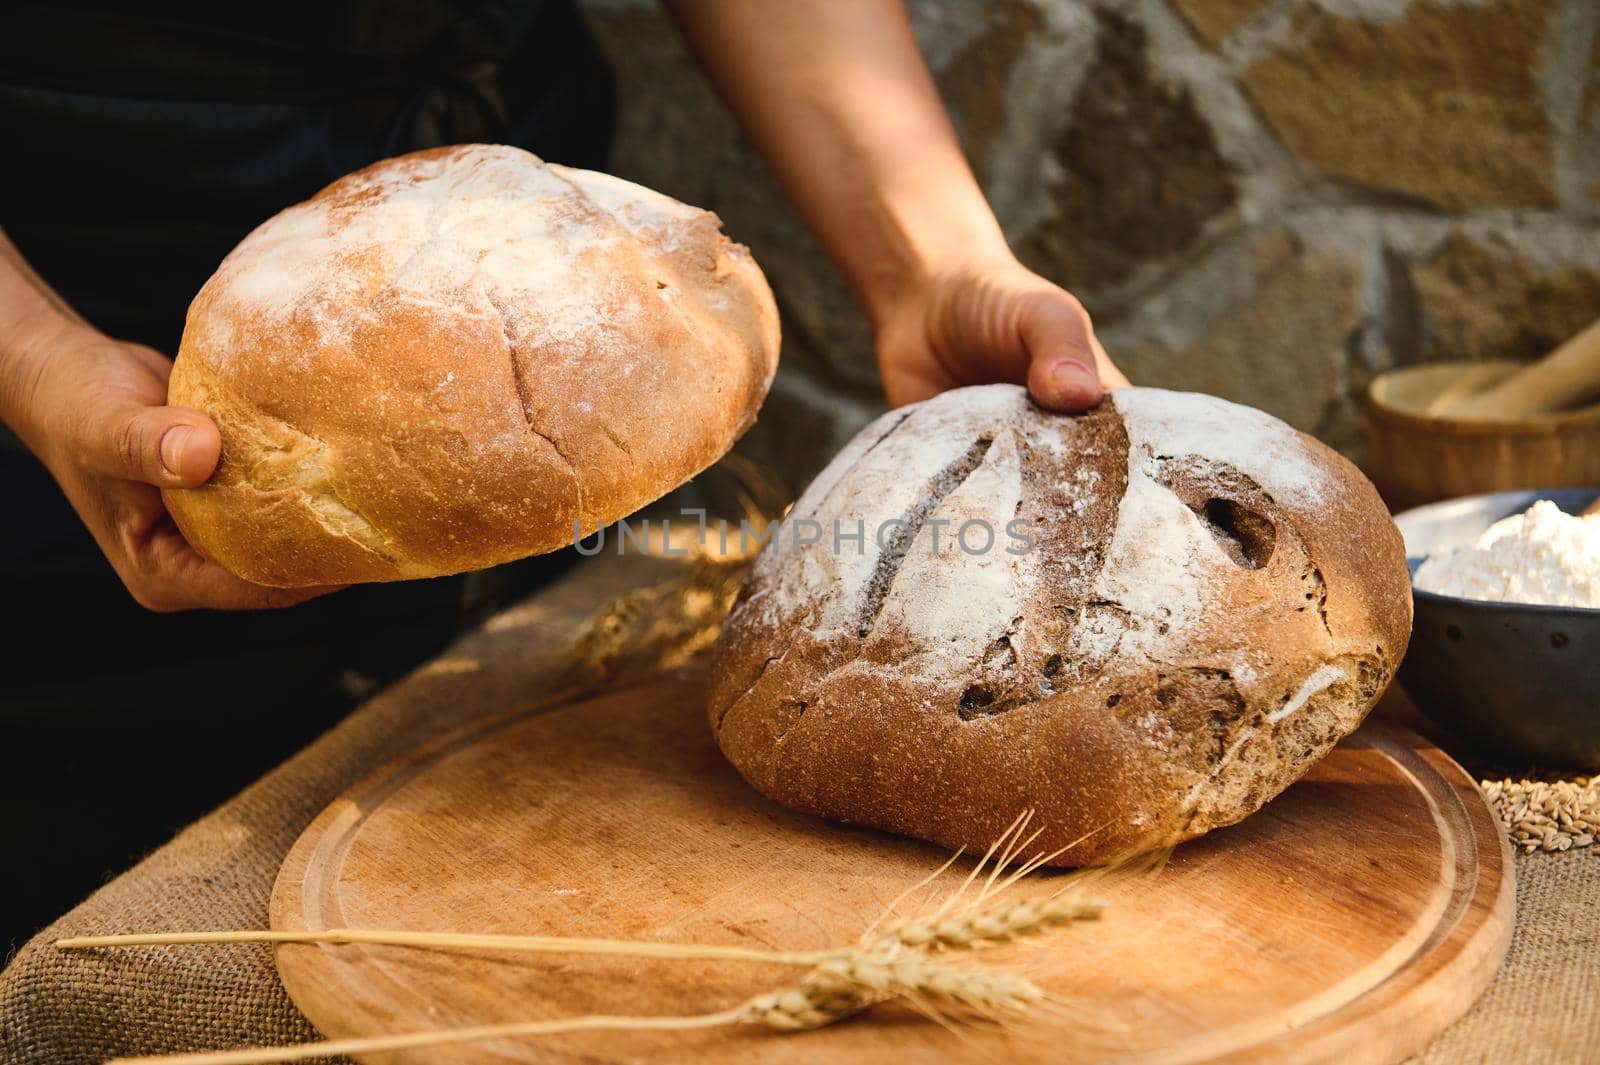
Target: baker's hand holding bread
94	410
992	321
838	99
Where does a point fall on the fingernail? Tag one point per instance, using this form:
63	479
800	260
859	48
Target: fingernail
1070	373
172	442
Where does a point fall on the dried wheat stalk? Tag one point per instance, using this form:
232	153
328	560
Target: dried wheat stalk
892	961
454	941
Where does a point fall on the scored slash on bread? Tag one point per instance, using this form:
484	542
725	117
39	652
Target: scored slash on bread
1209	602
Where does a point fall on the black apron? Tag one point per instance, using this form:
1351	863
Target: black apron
141	143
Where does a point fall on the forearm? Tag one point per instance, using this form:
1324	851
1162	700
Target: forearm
837	98
32	317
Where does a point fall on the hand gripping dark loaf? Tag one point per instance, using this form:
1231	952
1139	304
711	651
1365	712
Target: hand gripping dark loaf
451	359
1210	601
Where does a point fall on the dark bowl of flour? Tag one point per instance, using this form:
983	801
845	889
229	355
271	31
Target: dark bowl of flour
1519	681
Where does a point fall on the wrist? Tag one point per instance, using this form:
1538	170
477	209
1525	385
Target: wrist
31	342
911	280
927	230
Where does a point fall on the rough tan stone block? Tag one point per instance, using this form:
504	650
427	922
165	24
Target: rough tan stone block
1591	107
1140	174
1592	96
974	83
1442	104
1215	20
1283	348
1481	302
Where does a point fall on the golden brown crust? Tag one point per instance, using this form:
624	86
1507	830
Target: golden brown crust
446	360
1213	600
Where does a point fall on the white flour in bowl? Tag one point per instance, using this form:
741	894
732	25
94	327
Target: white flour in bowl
1543	555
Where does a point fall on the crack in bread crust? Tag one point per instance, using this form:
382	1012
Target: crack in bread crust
723	715
297	463
1336	688
525	399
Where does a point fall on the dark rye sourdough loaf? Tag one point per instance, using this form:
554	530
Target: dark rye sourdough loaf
1210	602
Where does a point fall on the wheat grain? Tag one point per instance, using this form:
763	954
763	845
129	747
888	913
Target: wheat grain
995	923
851	982
810	1004
900	971
1547	815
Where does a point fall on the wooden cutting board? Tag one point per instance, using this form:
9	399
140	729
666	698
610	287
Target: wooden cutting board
1350	920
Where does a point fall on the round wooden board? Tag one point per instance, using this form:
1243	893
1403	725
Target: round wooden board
1350	920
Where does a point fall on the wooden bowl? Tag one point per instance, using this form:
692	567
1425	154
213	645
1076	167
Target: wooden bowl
1416	458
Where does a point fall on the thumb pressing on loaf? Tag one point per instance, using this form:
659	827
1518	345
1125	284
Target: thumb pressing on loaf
169	447
107	405
991	322
1067	368
96	415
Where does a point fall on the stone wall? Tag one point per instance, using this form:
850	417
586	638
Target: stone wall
1270	200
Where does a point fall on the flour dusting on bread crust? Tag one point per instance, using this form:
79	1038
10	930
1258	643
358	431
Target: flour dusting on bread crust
1209	600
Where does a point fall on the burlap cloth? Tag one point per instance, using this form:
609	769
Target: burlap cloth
83	1007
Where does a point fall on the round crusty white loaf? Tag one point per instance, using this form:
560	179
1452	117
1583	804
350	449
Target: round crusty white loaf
1211	601
461	357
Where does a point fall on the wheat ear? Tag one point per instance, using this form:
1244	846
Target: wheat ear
996	923
962	922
